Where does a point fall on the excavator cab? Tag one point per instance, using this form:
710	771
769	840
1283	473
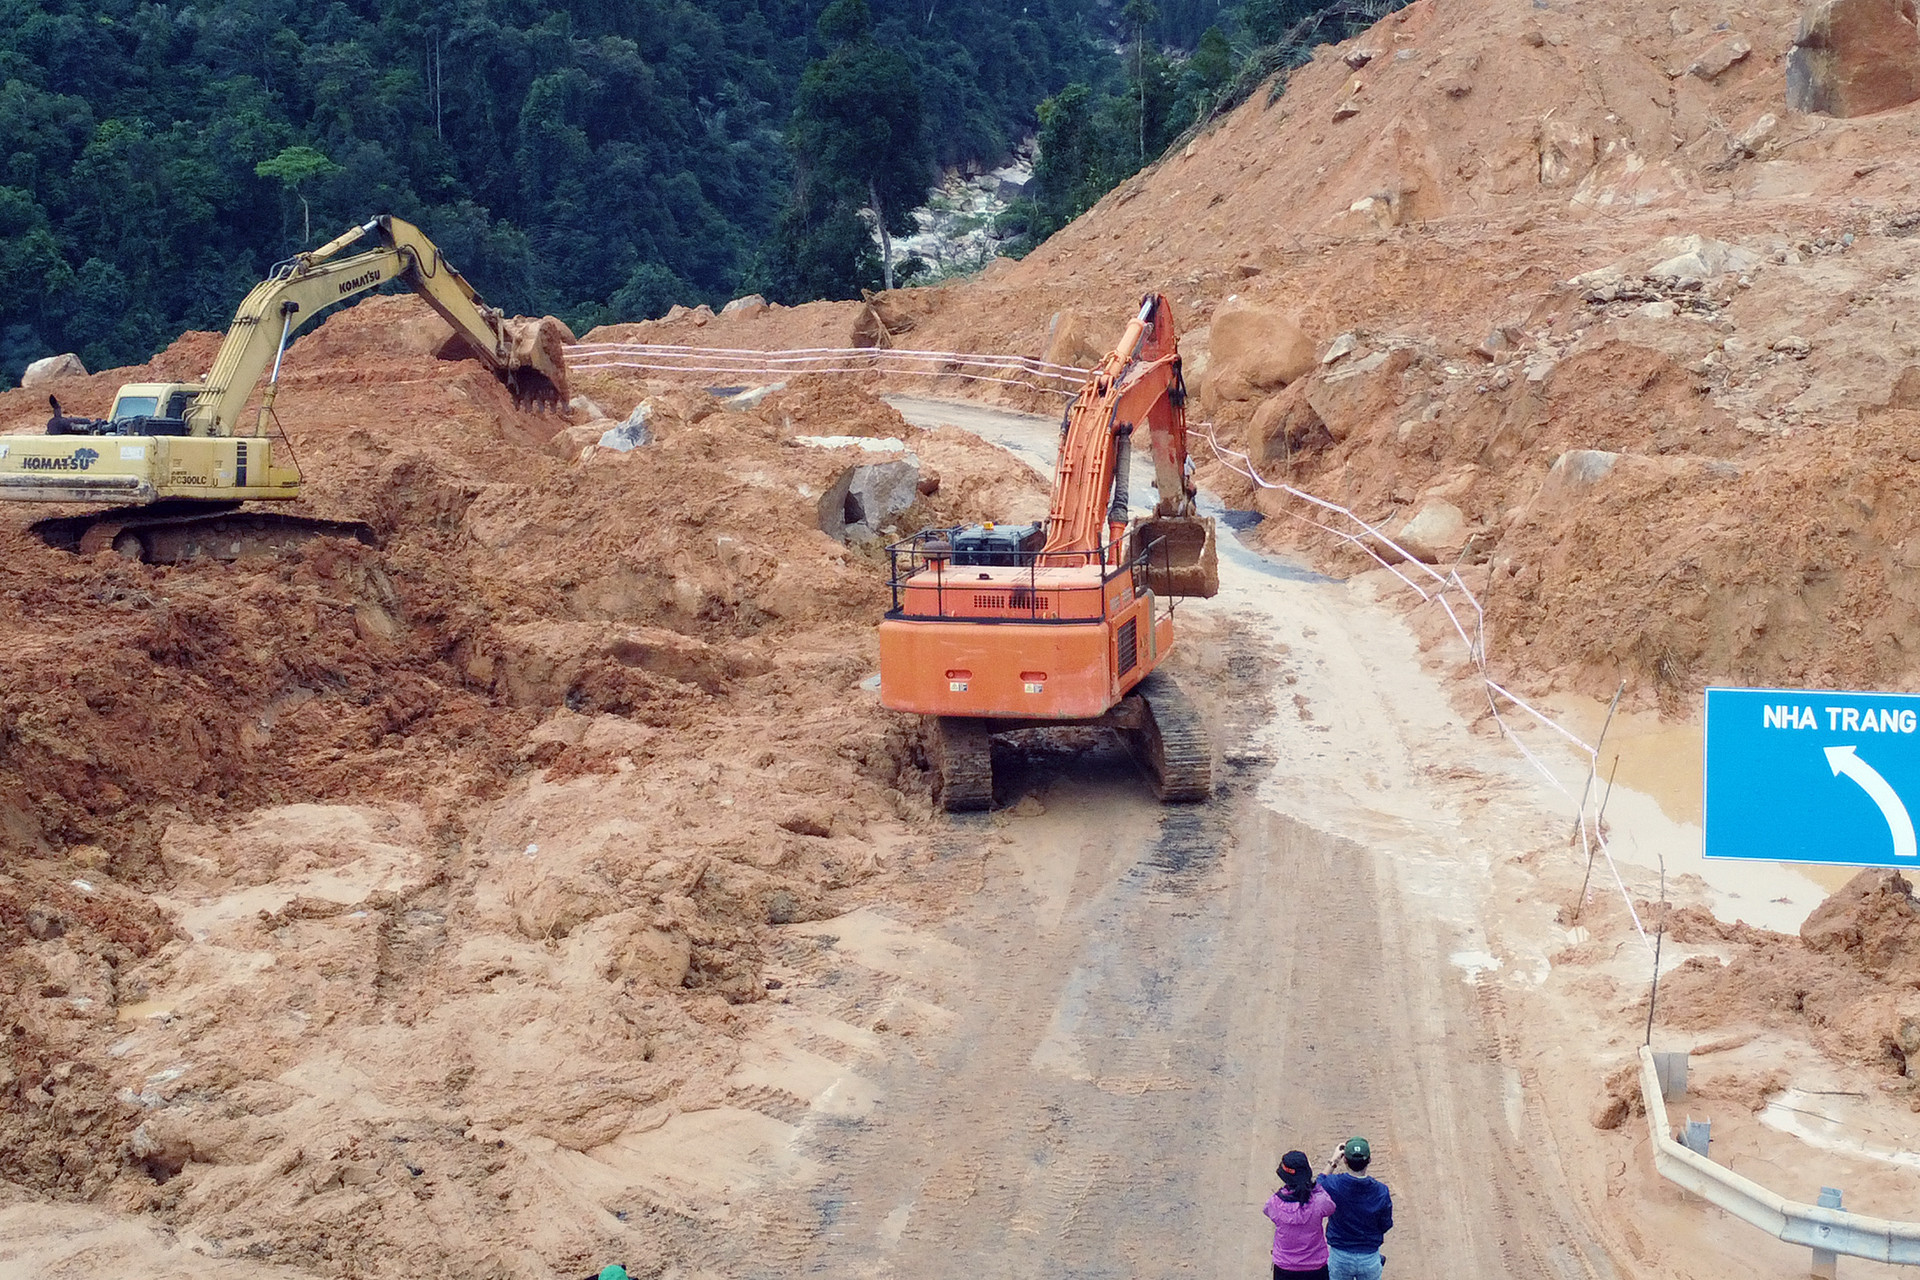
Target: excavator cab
151	400
152	409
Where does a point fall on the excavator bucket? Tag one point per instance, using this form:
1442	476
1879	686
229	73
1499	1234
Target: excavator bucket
1183	557
537	362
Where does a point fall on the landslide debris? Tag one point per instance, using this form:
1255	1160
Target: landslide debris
1580	301
1850	982
458	851
352	894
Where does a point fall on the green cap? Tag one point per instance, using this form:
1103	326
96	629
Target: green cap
1356	1149
613	1272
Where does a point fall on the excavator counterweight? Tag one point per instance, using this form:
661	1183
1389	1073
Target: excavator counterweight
997	628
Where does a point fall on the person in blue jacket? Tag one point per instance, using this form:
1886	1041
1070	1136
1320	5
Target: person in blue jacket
1362	1214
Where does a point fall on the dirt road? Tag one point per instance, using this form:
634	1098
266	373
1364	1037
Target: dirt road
1091	1069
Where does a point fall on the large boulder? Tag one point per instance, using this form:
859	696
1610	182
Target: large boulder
746	308
1436	533
1855	57
51	369
865	495
854	508
1253	350
1283	425
1071	341
1359	393
631	433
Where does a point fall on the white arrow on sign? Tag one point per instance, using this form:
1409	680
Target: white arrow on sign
1845	761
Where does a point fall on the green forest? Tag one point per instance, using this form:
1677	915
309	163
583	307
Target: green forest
595	159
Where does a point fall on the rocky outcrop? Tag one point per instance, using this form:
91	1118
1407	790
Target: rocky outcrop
1698	259
1855	57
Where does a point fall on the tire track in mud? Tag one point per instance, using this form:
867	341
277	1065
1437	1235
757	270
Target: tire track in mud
1136	1045
1227	982
1053	1096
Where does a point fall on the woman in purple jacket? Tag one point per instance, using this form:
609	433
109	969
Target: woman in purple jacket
1299	1211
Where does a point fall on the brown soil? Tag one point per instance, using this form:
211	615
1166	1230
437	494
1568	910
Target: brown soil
348	897
1752	534
1767	422
1850	982
497	814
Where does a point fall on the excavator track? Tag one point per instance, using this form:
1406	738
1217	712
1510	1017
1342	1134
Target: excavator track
963	764
174	533
1172	745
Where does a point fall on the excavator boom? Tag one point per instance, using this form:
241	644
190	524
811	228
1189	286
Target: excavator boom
524	355
1137	384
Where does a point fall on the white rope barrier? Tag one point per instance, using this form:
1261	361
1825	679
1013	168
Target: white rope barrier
1036	375
962	357
583	366
1592	838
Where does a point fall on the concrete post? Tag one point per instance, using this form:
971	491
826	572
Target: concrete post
1826	1263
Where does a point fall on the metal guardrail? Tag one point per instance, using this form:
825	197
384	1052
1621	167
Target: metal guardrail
1833	1230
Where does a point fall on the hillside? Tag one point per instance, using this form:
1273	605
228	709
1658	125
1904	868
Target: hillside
1489	219
546	885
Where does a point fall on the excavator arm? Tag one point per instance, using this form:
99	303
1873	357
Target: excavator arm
1138	384
528	359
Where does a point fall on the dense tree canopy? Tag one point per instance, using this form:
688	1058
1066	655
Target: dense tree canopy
860	141
599	159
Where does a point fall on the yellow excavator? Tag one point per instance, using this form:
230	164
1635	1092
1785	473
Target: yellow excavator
183	457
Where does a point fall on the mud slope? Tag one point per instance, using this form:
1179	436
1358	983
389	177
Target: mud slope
1540	230
351	897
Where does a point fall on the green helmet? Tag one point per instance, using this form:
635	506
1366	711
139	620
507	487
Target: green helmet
613	1271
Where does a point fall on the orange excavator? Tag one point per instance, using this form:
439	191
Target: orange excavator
996	627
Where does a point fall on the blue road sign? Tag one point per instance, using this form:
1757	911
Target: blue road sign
1803	775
